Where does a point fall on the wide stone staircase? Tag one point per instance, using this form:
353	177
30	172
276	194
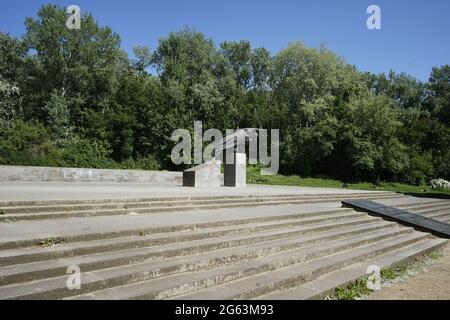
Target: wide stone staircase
227	247
37	210
437	210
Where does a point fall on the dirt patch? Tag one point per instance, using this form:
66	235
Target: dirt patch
427	280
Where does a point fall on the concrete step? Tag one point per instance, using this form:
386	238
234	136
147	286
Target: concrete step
424	205
167	202
437	216
445	218
326	284
431	212
149	210
166	266
33	203
260	276
306	196
246	253
55	287
124	257
136	211
300	274
320	220
222	220
113	229
256	266
441	214
139	205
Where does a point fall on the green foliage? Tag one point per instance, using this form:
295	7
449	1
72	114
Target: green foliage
405	91
439	97
145	163
417	264
353	291
51	241
74	98
58	115
393	272
86	153
72	73
9	102
144	58
254	176
374	146
28	144
12	57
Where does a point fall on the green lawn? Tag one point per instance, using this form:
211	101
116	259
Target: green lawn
254	177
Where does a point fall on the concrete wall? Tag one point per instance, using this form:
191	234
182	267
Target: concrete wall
41	174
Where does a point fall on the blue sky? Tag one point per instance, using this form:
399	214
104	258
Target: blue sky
413	39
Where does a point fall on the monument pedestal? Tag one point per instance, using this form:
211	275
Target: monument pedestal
235	173
204	175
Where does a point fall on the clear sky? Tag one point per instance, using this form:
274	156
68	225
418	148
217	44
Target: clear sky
415	34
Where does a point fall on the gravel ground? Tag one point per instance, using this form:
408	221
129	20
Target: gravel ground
429	280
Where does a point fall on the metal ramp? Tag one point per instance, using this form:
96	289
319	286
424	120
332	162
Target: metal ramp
435	227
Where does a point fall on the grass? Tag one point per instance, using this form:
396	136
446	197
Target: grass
51	241
353	291
2	211
254	177
358	288
394	272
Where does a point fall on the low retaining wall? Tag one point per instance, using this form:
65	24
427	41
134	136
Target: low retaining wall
43	174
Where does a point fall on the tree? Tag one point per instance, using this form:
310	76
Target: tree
262	64
144	58
439	93
28	144
12	67
374	147
9	102
405	90
78	65
12	58
74	98
308	85
58	117
238	56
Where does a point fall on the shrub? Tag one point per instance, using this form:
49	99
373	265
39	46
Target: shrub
28	144
87	153
142	163
419	170
440	184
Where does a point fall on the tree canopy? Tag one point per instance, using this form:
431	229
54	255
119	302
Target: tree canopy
75	98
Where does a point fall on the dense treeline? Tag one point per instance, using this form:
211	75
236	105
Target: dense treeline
74	98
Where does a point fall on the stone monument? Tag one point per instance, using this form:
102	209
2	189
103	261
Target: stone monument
208	173
204	175
235	173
